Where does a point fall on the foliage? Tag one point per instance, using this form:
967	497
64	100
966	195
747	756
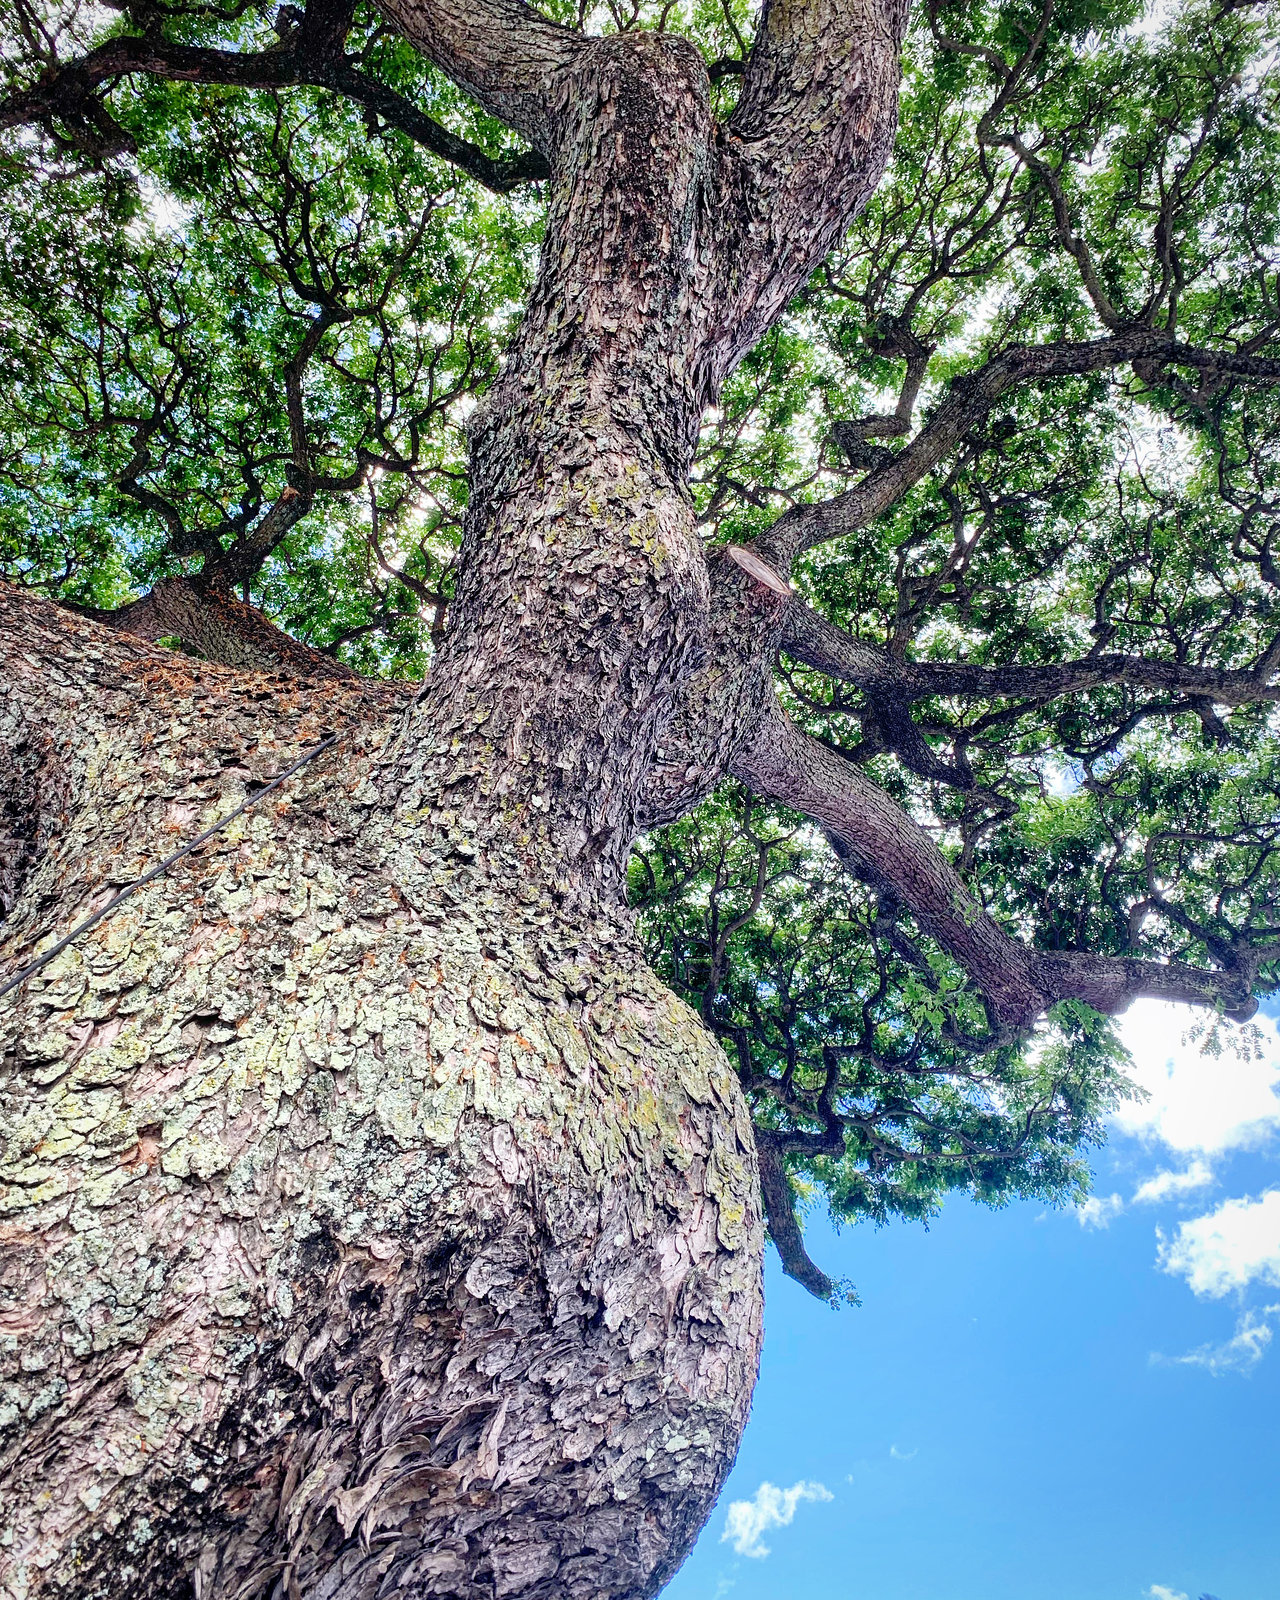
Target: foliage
158	315
839	1019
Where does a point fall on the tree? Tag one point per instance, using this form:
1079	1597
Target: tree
871	560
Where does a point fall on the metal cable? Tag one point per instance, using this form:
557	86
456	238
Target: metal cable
116	900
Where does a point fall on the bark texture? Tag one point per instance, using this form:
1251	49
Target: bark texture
374	1220
371	1225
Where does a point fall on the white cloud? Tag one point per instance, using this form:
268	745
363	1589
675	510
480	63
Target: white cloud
1098	1210
1241	1353
1160	1591
1227	1249
769	1507
1197	1102
903	1455
1202	1104
1169	1185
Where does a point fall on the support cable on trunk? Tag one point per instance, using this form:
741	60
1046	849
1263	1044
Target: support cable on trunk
163	866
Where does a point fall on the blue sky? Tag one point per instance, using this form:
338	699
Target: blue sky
1032	1405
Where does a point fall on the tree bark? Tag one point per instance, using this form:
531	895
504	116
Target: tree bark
372	1220
209	622
375	1221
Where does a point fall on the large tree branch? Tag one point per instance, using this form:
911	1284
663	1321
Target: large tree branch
814	62
217	627
811	639
245	557
805	148
502	52
311	55
784	1229
969	400
882	845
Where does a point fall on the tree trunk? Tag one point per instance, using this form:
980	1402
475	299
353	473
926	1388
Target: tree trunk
375	1220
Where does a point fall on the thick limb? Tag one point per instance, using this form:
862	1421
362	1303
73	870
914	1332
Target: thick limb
884	847
503	52
805	148
214	625
969	400
780	1213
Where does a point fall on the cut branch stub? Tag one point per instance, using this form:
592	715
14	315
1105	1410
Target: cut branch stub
760	570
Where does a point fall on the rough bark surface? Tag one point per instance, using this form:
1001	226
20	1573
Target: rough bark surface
371	1224
374	1220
